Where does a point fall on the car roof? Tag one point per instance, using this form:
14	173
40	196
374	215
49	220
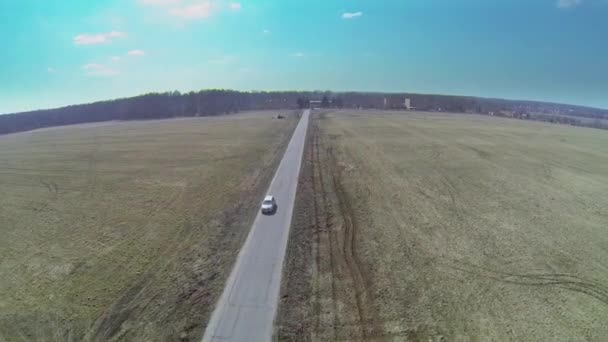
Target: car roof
268	198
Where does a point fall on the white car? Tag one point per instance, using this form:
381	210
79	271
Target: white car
269	206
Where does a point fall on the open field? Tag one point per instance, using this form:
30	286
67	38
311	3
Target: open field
127	230
582	121
438	227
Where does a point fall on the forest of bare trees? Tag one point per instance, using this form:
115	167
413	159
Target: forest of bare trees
218	102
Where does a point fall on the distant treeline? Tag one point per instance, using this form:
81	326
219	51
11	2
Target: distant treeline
217	102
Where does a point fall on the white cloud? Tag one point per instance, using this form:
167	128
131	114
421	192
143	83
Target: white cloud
95	69
98	38
298	54
136	53
159	2
235	6
115	59
192	9
199	10
351	15
50	70
568	3
92	66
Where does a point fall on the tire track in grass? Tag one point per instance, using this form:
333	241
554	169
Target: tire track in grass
370	324
569	282
323	206
317	233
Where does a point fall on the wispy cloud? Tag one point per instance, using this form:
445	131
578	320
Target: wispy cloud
191	10
50	70
568	3
92	66
298	54
351	15
159	2
115	59
195	11
100	70
136	53
98	38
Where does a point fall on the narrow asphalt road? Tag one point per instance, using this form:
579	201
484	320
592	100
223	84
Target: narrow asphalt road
248	305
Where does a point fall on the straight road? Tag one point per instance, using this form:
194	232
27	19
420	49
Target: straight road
248	305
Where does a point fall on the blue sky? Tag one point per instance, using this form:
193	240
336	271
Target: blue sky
59	52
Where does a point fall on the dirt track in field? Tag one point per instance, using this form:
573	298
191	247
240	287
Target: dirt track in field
339	294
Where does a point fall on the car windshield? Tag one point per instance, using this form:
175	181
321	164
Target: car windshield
267	202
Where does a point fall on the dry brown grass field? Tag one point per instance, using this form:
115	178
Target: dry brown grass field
439	227
127	230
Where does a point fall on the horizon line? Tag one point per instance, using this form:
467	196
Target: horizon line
306	91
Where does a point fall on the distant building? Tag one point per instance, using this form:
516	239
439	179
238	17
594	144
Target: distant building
408	104
396	102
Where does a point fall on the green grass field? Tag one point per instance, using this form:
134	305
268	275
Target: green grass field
433	227
126	230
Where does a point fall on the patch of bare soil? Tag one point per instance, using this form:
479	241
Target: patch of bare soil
326	290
